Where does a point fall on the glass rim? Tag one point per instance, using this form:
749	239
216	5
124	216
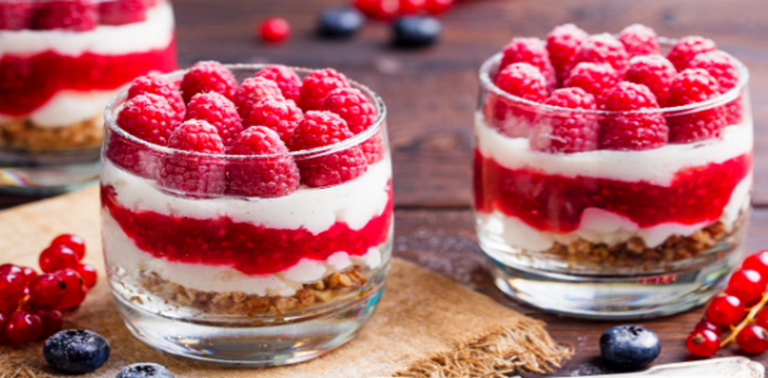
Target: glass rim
110	121
491	63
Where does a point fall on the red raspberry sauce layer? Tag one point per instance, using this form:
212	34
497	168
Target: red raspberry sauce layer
28	82
556	203
249	248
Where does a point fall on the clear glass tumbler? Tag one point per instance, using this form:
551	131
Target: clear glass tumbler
224	277
609	234
57	73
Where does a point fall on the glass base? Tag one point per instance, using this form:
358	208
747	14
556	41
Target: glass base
614	298
275	345
47	173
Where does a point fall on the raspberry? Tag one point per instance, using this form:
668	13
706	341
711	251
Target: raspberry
687	48
76	15
319	129
253	90
753	339
281	116
721	67
288	81
57	257
382	10
121	12
533	52
219	112
89	274
316	87
148	117
15	14
360	114
154	84
208	76
267	177
23	327
274	30
627	96
691	86
74	242
75	291
628	131
639	40
562	44
594	78
46	291
563	131
508	116
191	174
604	48
653	71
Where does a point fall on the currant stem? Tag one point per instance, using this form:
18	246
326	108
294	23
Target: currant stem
748	319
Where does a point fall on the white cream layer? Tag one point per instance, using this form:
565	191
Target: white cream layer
156	32
67	108
120	251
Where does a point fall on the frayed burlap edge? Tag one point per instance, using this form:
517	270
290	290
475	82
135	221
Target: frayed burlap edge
525	347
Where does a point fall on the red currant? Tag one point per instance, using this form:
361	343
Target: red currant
74	242
52	320
758	262
747	284
705	324
3	318
274	30
89	275
46	291
57	257
23	327
725	310
753	339
703	343
411	6
74	293
762	319
382	10
12	290
437	7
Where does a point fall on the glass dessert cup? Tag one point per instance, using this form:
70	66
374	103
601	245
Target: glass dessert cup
245	281
56	77
609	234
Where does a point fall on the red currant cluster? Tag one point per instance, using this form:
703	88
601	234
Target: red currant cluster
739	310
31	303
387	10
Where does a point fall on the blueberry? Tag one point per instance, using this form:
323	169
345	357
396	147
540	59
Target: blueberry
145	370
629	347
416	31
340	22
76	351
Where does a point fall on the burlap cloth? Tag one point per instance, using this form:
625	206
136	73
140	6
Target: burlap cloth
425	326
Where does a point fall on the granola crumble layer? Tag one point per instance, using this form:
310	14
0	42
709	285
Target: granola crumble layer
25	135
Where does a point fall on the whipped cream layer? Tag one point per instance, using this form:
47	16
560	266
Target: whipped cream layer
156	32
121	252
67	108
316	210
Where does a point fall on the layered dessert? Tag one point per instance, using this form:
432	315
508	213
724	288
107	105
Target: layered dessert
61	61
599	155
251	199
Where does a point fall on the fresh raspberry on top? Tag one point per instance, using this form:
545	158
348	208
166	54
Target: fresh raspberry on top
639	40
208	76
288	81
282	116
627	96
360	114
604	48
219	112
511	117
690	86
274	176
15	14
193	174
533	52
687	48
148	117
567	132
562	44
121	12
595	78
76	15
319	129
252	91
721	67
634	132
653	71
316	87
156	85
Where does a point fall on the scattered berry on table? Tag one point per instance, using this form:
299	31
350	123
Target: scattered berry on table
340	22
758	262
89	274
725	310
208	76
762	319
411	6
288	81
275	176
531	51
75	291
57	257
274	30
382	10
52	321
281	116
703	343
655	72
748	285
47	291
252	91
12	290
26	272
629	347
705	324
416	31
145	370
562	44
687	48
219	112
438	7
23	327
639	40
567	132
316	86
753	339
76	351
74	242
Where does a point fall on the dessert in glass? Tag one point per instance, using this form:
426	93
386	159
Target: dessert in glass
247	211
612	181
60	63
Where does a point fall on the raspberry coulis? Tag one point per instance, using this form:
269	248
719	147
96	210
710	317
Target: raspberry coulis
27	82
250	248
556	203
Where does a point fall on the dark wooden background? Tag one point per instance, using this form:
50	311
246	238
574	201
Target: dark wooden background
431	95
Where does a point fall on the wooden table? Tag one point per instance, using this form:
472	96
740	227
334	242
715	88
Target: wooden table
431	96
